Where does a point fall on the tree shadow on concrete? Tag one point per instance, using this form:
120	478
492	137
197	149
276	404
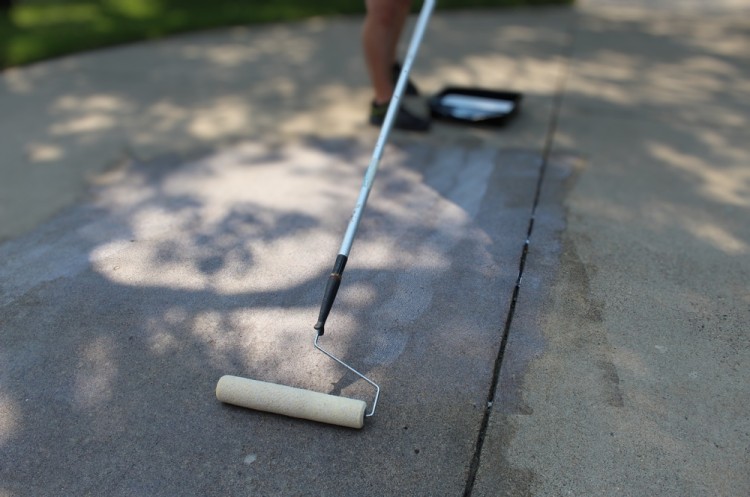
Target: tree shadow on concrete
185	272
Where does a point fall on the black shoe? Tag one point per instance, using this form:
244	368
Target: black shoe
405	120
411	89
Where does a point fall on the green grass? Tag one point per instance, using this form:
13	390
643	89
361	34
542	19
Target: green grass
37	30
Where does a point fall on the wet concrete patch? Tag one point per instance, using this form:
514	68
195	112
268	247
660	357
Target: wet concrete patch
136	302
499	473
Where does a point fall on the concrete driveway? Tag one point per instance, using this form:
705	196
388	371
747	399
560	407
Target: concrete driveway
558	307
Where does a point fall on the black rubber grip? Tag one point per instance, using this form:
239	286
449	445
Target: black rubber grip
332	288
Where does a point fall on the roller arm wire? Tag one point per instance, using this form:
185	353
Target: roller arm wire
368	380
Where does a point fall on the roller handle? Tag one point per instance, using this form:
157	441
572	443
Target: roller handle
329	295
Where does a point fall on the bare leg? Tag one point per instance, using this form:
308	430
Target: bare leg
380	36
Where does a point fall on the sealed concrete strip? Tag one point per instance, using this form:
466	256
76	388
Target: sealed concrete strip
205	245
120	315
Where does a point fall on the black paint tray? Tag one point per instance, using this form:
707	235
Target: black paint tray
475	105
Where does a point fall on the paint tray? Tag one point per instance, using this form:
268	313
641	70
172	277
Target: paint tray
475	105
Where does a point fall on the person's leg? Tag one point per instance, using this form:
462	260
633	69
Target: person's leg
384	22
380	36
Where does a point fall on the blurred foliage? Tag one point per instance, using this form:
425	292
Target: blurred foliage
34	30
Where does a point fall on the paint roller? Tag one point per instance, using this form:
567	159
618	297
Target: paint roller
306	404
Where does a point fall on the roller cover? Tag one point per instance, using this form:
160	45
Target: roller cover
295	402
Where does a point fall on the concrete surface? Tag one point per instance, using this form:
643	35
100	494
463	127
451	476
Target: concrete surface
626	372
170	211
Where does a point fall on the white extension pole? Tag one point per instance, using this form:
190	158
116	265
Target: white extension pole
385	130
334	279
306	404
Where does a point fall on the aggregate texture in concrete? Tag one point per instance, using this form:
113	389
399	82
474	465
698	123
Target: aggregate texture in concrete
558	307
